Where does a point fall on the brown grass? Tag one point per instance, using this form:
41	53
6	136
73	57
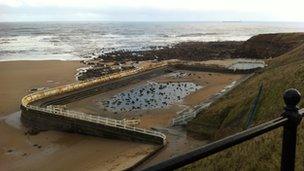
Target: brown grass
230	114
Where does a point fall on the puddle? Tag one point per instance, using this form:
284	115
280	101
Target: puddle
13	120
150	96
247	64
179	74
50	149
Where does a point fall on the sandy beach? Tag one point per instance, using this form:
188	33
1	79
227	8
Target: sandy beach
53	150
18	77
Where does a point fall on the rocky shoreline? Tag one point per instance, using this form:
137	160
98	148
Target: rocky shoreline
185	51
262	46
111	62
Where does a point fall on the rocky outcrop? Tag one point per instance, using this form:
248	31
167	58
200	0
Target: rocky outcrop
258	47
269	45
195	51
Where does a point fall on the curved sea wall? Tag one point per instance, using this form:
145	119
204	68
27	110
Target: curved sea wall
83	84
40	119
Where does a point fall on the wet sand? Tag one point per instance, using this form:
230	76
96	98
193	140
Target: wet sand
19	76
52	150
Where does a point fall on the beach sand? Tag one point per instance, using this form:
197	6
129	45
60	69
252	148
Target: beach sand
18	77
52	150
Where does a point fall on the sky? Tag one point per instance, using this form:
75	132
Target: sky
152	10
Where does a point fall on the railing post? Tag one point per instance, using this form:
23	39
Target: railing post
291	98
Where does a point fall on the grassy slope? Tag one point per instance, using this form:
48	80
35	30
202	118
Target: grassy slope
229	115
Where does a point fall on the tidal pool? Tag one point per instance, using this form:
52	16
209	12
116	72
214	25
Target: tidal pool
150	96
247	64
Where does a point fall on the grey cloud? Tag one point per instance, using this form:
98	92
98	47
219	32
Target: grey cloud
122	14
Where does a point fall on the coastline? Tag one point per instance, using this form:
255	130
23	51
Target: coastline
20	151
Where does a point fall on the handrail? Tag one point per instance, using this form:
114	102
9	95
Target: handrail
82	84
219	145
191	113
123	124
290	120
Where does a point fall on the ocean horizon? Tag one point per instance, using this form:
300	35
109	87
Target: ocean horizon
82	40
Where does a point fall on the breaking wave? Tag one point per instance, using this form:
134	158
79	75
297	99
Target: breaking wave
69	41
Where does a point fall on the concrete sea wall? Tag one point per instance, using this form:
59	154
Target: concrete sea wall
212	68
42	121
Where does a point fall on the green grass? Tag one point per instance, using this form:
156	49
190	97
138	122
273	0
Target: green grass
229	115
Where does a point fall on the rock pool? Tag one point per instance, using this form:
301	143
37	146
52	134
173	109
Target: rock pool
150	96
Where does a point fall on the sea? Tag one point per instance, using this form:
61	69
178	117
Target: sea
85	40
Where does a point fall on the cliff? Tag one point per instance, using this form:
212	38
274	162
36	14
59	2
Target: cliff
269	45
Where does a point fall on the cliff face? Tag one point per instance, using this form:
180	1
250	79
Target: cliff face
269	45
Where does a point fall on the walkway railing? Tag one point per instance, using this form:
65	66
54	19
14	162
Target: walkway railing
122	124
290	120
83	84
188	114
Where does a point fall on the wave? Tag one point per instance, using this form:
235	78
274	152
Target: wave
39	57
112	35
71	40
163	35
197	34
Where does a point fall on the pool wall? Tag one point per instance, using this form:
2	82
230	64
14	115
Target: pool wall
41	121
207	68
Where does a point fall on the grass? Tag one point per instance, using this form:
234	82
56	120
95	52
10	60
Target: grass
229	115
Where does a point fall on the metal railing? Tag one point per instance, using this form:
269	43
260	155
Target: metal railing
83	84
289	120
188	114
122	124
